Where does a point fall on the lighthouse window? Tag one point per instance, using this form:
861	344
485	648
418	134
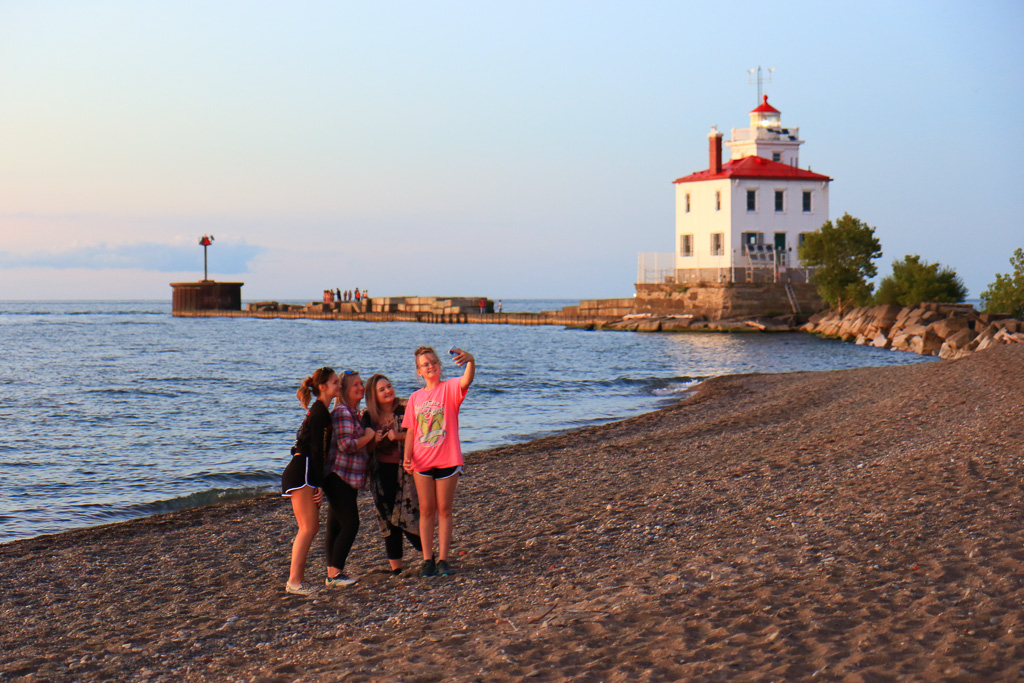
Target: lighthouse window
751	200
718	200
776	156
687	203
780	197
717	243
807	202
686	245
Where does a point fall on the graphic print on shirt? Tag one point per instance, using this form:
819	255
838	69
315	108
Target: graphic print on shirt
430	423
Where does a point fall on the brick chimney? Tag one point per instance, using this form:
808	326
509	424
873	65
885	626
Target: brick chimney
715	150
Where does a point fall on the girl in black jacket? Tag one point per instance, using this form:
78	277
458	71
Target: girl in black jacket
303	479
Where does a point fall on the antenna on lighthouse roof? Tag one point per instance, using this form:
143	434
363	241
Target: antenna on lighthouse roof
752	78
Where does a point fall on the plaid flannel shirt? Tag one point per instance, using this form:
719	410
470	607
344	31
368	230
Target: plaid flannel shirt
344	459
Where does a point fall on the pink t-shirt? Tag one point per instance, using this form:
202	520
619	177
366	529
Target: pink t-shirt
432	418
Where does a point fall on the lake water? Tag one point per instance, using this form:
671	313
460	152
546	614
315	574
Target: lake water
113	410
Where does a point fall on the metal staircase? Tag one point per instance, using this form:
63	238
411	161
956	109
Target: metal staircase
792	298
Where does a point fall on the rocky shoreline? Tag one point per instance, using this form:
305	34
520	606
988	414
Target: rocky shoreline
948	331
854	525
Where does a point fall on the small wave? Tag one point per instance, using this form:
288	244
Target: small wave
122	391
673	389
259	478
492	390
198	499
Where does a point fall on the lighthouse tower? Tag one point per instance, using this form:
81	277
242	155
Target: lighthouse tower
743	220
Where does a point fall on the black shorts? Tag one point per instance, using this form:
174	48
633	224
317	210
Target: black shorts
442	472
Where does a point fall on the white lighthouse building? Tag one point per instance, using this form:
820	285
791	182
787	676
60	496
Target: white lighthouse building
743	220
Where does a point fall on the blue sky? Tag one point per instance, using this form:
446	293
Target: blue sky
506	150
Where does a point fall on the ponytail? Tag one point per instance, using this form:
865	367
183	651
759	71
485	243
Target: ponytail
311	385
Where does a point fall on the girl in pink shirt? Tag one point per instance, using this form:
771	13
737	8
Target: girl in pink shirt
432	451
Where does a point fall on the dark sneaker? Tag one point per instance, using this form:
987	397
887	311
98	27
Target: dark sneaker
339	581
443	568
428	568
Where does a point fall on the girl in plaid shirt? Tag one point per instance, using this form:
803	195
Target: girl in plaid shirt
346	460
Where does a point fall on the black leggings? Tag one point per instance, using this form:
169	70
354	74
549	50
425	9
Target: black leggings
342	520
393	541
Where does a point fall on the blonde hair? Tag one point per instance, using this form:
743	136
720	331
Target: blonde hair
346	380
311	385
424	350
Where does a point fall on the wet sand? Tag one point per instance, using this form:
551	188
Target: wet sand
855	525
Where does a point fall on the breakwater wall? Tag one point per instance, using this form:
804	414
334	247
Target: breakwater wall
544	318
945	330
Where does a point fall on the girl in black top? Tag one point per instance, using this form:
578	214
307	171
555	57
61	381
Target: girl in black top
393	489
303	477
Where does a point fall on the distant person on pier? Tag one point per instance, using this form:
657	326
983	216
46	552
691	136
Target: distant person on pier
357	295
338	290
433	451
393	489
346	460
483	305
303	478
499	305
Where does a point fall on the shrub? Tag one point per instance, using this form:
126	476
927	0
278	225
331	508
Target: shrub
1006	294
914	281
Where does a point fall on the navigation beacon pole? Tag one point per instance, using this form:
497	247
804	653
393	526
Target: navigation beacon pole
205	240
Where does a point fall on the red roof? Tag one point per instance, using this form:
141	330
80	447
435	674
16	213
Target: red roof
753	167
765	108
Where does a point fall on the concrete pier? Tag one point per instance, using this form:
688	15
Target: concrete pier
726	309
544	318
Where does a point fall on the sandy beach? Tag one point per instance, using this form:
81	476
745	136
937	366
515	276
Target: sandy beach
854	525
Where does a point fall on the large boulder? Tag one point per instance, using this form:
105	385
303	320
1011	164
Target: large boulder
957	343
914	328
901	342
927	344
948	326
883	318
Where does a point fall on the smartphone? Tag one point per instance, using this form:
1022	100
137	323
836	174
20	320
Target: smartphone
453	352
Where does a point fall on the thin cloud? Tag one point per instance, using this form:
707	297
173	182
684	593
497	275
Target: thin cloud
164	258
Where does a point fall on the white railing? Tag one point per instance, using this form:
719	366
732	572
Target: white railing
655	267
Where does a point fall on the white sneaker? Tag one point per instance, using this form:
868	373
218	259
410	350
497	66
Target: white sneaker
339	581
304	589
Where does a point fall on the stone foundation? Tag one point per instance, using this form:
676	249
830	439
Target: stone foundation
713	301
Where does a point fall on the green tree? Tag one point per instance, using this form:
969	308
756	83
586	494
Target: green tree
914	281
841	255
1006	294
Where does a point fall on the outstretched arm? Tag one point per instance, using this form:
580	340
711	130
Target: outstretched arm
466	358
